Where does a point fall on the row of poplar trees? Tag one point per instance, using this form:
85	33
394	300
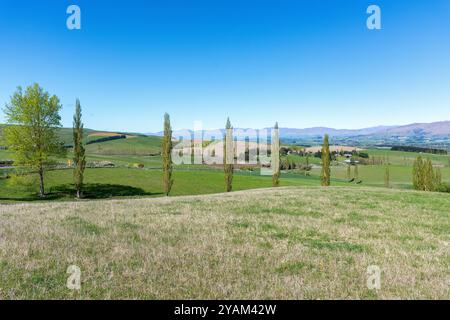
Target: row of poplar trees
228	165
228	153
32	118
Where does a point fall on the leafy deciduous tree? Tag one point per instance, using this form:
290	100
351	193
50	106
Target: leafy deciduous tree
33	116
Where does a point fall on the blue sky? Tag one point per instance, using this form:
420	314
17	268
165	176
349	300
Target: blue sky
301	63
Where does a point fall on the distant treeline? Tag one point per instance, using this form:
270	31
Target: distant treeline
104	139
418	149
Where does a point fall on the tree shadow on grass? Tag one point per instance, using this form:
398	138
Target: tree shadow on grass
90	191
101	191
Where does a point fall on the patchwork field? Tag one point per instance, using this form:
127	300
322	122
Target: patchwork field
125	180
286	243
400	176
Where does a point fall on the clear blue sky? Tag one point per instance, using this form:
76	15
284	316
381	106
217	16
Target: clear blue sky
301	63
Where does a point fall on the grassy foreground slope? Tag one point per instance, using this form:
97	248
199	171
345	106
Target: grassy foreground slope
291	243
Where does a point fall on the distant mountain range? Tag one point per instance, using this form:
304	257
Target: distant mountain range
436	134
433	135
441	128
321	131
431	129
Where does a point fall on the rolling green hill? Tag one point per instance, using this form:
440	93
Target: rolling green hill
285	243
64	134
407	158
140	145
134	144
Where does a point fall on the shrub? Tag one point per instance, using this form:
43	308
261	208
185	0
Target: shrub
364	155
284	151
443	187
100	164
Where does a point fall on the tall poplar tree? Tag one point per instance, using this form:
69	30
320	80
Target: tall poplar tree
429	176
228	155
437	178
167	155
387	176
307	164
275	154
79	158
325	175
418	179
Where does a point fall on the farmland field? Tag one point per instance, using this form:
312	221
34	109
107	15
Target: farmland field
285	243
130	146
407	158
6	155
400	176
400	167
127	182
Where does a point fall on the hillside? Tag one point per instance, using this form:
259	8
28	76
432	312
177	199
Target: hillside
285	243
64	134
434	129
132	145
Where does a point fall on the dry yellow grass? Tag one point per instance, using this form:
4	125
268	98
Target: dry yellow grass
286	243
103	134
